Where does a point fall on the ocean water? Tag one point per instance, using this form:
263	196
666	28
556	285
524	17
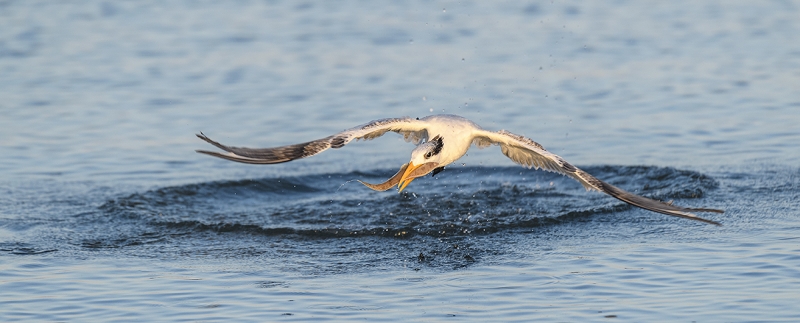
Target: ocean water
108	214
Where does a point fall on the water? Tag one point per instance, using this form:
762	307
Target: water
107	213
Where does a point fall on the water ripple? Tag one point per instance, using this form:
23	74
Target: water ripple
469	201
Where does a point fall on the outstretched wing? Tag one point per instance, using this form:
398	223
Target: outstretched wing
527	152
412	130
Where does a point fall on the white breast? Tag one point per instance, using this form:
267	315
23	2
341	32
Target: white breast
456	132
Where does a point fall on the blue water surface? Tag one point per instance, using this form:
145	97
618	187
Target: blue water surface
108	214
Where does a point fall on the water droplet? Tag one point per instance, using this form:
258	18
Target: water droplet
431	110
444	9
462	59
424	98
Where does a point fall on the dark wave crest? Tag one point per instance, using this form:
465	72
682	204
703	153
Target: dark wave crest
459	202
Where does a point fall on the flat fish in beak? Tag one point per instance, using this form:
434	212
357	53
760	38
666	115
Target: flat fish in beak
388	183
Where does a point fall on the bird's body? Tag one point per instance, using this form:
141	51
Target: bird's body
441	140
459	132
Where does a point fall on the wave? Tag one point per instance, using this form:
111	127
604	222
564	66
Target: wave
459	202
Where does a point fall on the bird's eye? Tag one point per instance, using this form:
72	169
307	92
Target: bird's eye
428	155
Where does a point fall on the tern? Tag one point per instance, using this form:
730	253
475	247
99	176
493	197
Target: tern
441	140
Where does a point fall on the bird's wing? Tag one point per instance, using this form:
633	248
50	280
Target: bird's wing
412	130
527	152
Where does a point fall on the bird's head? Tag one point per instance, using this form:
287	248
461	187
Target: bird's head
424	159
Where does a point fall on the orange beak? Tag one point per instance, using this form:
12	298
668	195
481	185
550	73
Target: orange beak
414	171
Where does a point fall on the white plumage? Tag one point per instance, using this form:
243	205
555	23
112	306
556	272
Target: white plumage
441	140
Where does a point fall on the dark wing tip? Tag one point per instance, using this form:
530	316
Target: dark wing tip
273	155
657	206
707	210
243	159
205	138
212	153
